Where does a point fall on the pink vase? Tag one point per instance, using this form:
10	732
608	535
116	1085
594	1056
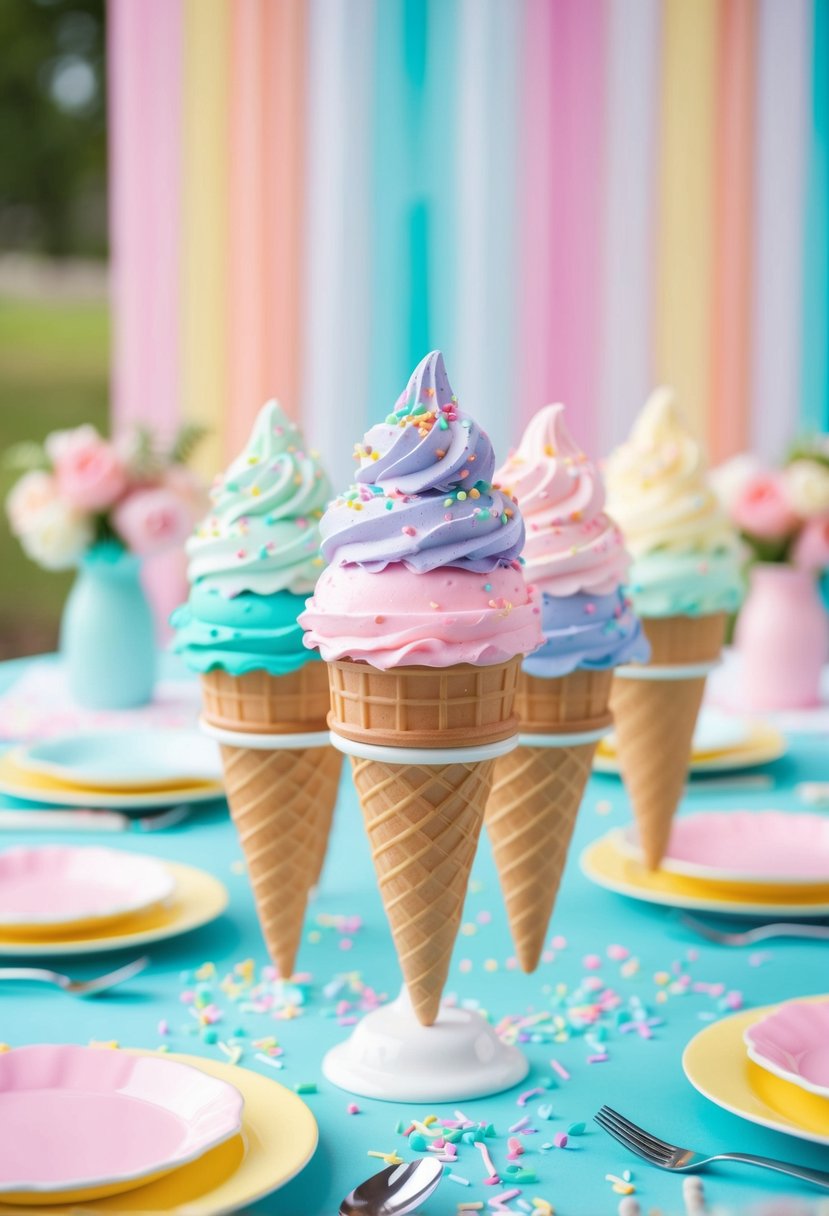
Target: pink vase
783	639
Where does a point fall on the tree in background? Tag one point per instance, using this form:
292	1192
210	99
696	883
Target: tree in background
52	126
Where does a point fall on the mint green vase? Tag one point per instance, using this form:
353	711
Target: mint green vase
107	635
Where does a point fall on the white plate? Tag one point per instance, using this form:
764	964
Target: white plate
55	886
777	848
125	760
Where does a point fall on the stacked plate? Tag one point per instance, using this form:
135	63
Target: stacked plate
142	1132
770	1066
741	862
115	769
722	743
60	899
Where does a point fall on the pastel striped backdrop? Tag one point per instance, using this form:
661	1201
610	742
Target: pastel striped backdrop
573	198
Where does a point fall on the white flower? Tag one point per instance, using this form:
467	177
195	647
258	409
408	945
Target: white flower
27	497
728	480
807	484
56	536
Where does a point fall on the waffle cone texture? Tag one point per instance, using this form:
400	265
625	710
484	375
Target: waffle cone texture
459	706
423	824
281	804
281	800
536	794
654	724
261	704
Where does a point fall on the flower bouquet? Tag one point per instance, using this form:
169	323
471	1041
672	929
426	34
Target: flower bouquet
102	506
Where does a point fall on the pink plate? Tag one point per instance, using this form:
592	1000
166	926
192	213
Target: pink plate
65	885
79	1118
788	848
793	1043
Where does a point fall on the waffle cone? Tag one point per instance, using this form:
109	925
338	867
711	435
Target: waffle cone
567	704
535	798
259	703
423	823
530	819
281	802
655	721
459	706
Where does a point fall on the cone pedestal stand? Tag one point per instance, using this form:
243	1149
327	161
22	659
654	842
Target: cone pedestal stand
390	1055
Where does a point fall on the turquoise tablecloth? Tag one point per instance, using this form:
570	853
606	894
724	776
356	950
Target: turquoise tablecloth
642	1077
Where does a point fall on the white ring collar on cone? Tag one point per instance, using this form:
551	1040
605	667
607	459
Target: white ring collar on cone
265	743
423	755
571	740
668	671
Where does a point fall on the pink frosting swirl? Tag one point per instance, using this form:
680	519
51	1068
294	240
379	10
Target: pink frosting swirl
572	545
433	619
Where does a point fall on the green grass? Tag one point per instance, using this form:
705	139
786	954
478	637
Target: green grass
54	369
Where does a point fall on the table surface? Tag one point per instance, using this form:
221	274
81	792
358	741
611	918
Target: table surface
642	1077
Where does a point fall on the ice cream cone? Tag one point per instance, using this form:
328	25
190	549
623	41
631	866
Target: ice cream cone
654	721
423	823
281	799
423	617
536	795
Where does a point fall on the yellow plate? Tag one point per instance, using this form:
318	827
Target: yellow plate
199	898
605	865
39	787
279	1137
764	744
716	1064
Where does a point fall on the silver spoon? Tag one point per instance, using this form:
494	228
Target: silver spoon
398	1189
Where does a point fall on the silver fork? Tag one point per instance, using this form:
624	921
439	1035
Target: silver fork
685	1160
101	983
749	936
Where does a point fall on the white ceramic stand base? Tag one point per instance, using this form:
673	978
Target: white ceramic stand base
390	1056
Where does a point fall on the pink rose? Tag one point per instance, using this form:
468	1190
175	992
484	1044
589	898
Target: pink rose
90	474
151	520
811	550
761	508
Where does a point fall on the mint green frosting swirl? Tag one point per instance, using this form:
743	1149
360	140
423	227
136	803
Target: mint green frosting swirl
684	584
263	532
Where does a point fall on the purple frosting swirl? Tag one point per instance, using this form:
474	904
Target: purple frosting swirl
416	455
593	631
423	494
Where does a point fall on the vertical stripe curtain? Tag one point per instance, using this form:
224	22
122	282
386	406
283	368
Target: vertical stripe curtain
574	199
